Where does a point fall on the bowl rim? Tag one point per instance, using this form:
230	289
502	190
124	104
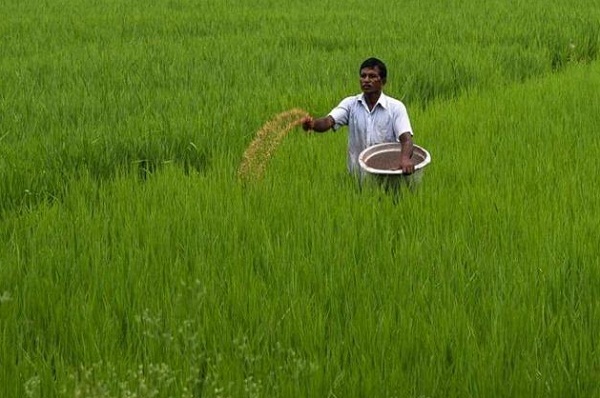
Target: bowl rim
389	147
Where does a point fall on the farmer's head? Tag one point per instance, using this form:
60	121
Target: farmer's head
373	75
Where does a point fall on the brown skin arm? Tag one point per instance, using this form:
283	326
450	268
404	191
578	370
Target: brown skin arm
406	164
320	125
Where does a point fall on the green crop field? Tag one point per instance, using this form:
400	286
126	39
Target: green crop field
135	262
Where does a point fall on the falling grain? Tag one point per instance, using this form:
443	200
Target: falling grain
266	141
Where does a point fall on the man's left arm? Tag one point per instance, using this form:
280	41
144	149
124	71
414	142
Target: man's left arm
406	164
403	128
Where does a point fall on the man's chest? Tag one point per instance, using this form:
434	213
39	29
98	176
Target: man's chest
374	126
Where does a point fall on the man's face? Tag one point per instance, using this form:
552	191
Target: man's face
370	80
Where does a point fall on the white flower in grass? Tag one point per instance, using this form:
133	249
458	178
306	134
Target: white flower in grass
32	387
5	297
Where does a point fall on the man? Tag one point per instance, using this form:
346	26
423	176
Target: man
372	118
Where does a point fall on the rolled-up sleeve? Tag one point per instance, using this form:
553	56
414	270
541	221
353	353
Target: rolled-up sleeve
341	113
401	121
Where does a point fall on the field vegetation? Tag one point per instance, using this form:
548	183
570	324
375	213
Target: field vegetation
135	262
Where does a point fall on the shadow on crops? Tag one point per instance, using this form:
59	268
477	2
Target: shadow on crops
574	52
463	68
28	183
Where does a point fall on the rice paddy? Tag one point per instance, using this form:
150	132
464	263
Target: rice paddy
168	230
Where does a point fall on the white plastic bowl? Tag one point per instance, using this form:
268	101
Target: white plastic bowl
380	158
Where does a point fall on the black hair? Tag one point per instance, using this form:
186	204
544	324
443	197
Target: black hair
375	62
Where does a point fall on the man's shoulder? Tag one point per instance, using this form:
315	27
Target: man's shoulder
394	103
353	98
349	103
392	100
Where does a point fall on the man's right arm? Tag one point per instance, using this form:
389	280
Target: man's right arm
319	125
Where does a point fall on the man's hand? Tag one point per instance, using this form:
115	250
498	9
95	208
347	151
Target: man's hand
406	165
319	125
308	123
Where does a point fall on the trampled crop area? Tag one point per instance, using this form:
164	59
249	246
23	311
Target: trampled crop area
134	260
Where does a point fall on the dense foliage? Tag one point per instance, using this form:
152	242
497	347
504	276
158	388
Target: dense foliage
135	263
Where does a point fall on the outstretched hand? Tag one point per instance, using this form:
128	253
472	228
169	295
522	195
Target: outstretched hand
308	123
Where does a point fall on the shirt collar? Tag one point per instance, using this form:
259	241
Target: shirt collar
383	100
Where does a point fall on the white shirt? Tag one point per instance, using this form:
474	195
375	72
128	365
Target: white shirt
385	123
